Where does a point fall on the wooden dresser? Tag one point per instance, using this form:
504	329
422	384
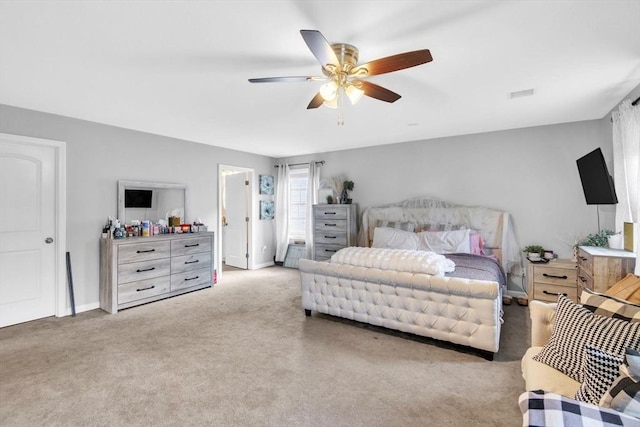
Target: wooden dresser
600	268
138	270
546	280
334	228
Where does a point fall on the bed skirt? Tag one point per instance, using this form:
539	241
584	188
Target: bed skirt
457	310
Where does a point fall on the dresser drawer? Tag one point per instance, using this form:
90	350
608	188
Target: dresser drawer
136	271
185	263
585	261
338	226
191	278
549	292
329	212
190	246
331	238
323	251
555	276
143	251
585	280
143	289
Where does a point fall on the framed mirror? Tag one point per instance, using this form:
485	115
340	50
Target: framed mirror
140	200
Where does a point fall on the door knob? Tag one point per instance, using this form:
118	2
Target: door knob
48	240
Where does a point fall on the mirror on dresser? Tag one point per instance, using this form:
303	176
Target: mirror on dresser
140	200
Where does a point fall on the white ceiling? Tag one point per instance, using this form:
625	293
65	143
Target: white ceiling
180	69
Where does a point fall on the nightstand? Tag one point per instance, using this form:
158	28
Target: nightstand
600	268
546	280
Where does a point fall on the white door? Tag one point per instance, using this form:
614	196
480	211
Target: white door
236	230
27	231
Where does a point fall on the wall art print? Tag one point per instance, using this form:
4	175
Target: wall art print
266	184
267	209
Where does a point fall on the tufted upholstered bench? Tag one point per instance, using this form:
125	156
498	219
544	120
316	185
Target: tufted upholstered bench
461	311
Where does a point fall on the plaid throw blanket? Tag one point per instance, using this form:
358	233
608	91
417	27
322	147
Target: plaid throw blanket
541	409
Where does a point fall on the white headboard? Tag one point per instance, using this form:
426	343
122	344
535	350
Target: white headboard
493	225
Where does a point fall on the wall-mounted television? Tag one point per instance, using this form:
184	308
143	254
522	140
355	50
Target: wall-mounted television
597	184
138	198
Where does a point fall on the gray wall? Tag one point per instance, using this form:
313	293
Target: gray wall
530	173
99	155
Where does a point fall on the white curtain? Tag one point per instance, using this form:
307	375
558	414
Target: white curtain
282	212
626	163
313	184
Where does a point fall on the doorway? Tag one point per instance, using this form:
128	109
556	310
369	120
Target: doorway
32	229
234	211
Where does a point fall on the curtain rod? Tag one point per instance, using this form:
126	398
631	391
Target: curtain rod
321	162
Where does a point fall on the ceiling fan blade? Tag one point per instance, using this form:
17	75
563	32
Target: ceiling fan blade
281	79
378	92
316	101
395	62
320	47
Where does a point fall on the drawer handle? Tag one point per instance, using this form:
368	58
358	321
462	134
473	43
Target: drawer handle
553	276
330	250
191	278
583	258
554	293
330	225
330	213
145	289
192	262
582	279
148	250
192	246
142	270
330	237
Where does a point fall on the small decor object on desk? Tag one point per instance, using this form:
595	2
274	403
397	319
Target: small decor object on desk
266	184
329	199
344	196
267	209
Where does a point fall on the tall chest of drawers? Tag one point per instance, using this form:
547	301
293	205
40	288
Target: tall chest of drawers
334	228
138	270
600	268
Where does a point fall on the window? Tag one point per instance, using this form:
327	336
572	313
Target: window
298	203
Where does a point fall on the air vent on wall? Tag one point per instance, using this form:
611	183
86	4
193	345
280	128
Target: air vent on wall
521	93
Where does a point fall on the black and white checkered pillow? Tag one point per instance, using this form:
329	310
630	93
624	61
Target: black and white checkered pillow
624	394
600	371
609	306
574	328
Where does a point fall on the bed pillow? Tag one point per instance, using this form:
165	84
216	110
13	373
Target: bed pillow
445	242
627	289
609	306
624	394
574	328
476	244
392	238
600	371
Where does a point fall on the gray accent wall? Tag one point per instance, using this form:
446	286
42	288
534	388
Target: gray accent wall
99	155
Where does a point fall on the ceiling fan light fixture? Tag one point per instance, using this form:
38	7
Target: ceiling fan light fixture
329	91
354	93
333	104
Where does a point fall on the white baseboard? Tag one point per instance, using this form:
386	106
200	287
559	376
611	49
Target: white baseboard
263	265
81	308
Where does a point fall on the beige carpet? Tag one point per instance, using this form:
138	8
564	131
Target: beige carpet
243	353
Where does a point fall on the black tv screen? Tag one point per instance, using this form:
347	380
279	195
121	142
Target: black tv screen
137	198
597	184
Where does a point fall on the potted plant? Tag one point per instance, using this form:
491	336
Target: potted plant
601	239
346	187
533	251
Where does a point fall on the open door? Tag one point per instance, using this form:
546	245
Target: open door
236	230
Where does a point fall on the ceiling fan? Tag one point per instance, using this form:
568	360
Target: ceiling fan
344	77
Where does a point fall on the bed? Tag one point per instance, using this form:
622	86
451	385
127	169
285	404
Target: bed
453	297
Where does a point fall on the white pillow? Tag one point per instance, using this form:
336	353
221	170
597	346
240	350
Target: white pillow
445	242
393	238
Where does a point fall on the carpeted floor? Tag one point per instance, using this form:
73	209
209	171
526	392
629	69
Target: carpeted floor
244	354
